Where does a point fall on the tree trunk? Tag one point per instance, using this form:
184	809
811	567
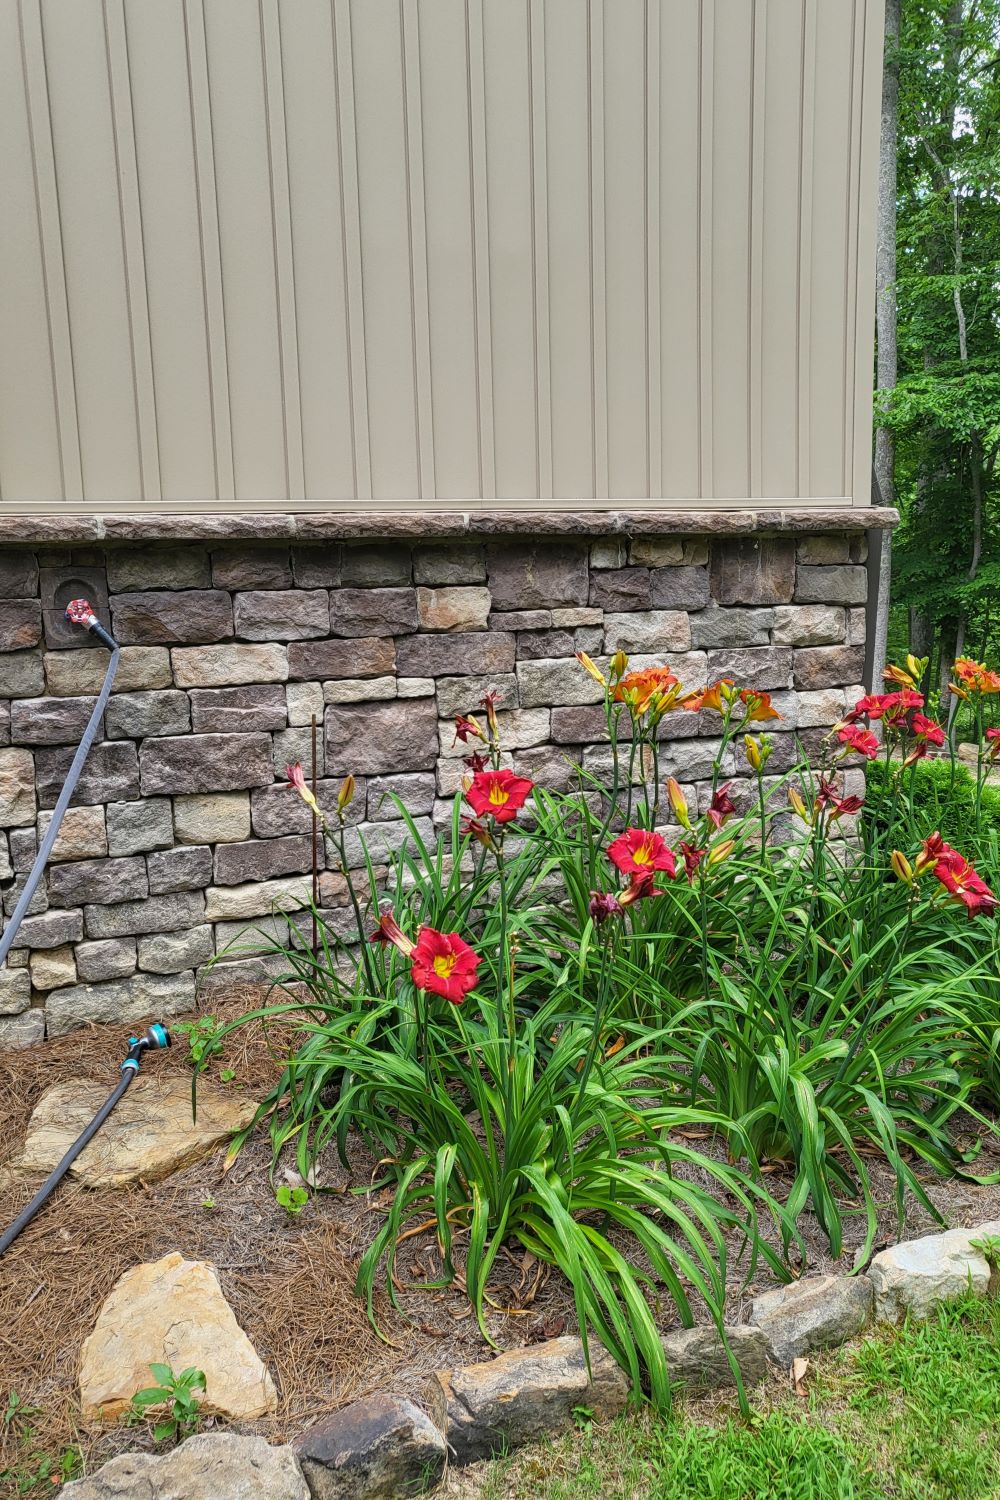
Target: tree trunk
885	269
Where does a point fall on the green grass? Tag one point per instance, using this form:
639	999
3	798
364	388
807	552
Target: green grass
913	1415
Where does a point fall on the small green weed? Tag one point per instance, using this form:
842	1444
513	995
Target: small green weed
203	1038
177	1393
292	1199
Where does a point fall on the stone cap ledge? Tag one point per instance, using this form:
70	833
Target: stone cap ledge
309	526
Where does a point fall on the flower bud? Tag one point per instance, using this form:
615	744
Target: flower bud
346	794
591	667
901	867
619	665
679	803
799	807
721	852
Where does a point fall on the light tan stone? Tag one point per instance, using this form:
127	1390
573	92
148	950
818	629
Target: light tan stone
212	818
359	690
657	551
208	1466
17	788
148	1135
257	898
171	1312
140	668
52	967
228	665
82	834
456	608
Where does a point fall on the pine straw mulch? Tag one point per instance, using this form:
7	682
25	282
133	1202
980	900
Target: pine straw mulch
288	1281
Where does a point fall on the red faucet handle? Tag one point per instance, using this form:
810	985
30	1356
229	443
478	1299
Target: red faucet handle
80	612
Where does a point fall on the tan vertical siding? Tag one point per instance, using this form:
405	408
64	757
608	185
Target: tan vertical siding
309	252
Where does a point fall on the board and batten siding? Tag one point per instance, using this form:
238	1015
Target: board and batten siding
255	252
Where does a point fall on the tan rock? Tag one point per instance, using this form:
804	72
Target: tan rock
82	834
209	1466
69	673
212	818
171	1312
52	967
228	666
457	608
17	788
149	1135
257	898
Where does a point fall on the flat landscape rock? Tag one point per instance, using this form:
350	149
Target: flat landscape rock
375	1449
211	1466
914	1276
819	1312
524	1395
697	1356
171	1312
149	1134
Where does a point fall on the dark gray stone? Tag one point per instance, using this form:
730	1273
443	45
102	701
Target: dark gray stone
377	738
380	1448
545	645
680	588
373	612
133	569
449	563
415	790
712	628
621	589
753	570
155	914
261	859
697	1357
831	585
135	827
191	617
185	869
259	567
20	624
136	715
476	652
50	930
231	710
320	661
820	1312
108	958
766	667
49	721
537	575
462	695
206	763
282	614
18	574
12	894
829	666
110	773
382	566
521	619
172	952
277	810
21	674
98	881
317	567
585	724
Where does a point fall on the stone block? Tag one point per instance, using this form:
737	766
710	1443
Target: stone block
536	574
15	991
546	645
381	843
292	745
471	654
262	859
136	827
22	1031
140	669
122	1000
186	869
582	725
563	682
17	788
57	586
857	627
382	566
833	585
570	616
209	1466
359	689
282	614
51	968
257	567
234	710
206	763
808	625
828	666
821	551
228	666
277	810
463	695
380	1446
155	914
697	1357
98	881
550	766
521	619
621	589
23	844
657	551
49	721
679	588
172	952
134	569
448	564
915	1276
381	738
107	958
110	773
364	613
654	630
373	656
820	709
21	674
256	898
6	866
819	1312
317	567
713	628
4	723
304	700
51	929
524	1395
18	574
20	624
182	618
37	902
766	667
457	607
416	791
136	715
519	727
753	570
609	552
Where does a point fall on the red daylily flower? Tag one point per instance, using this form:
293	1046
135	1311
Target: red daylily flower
961	881
639	852
993	743
466	729
475	762
839	806
472	828
444	964
862	741
500	793
928	730
389	931
603	905
297	779
640	888
721	806
692	859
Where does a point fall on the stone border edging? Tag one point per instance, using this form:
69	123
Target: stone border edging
326	526
386	1445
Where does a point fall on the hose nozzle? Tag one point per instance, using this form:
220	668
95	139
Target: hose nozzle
156	1037
81	612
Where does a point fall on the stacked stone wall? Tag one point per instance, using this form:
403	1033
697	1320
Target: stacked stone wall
182	834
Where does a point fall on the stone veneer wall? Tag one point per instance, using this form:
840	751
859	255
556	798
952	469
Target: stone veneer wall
181	831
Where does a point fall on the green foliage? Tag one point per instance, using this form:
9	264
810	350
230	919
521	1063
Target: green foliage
35	1470
292	1199
204	1038
942	797
178	1394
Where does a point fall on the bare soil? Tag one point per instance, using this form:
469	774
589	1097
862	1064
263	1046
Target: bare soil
290	1280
